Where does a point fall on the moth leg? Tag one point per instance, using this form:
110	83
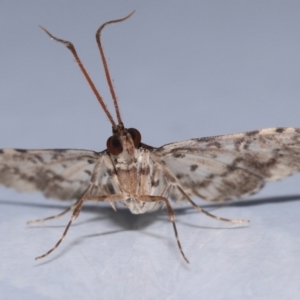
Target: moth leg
175	183
76	212
78	205
145	198
71	208
148	198
198	208
113	205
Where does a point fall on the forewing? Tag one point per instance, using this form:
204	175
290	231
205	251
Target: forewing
229	167
58	173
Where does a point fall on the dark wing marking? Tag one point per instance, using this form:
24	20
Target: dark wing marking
229	167
61	174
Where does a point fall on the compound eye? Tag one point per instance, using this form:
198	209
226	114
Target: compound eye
136	136
114	146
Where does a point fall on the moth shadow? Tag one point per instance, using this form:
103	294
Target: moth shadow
123	218
128	221
258	201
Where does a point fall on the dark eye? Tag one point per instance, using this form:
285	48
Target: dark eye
114	146
136	136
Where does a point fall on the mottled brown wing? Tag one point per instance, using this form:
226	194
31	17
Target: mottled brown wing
229	167
61	174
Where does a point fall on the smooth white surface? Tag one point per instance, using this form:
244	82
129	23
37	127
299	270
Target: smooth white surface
181	70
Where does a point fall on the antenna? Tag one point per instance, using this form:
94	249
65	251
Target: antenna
71	47
108	78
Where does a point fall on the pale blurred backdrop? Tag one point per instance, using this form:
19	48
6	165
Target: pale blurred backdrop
181	69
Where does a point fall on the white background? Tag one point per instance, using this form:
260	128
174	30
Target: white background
181	69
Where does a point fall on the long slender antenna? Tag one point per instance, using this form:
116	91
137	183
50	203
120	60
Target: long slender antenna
108	78
71	47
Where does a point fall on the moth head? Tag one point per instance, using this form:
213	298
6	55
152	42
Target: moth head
115	143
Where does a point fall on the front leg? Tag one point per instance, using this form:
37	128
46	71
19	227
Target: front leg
144	198
76	211
148	198
77	208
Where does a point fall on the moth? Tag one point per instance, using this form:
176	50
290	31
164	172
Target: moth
143	178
